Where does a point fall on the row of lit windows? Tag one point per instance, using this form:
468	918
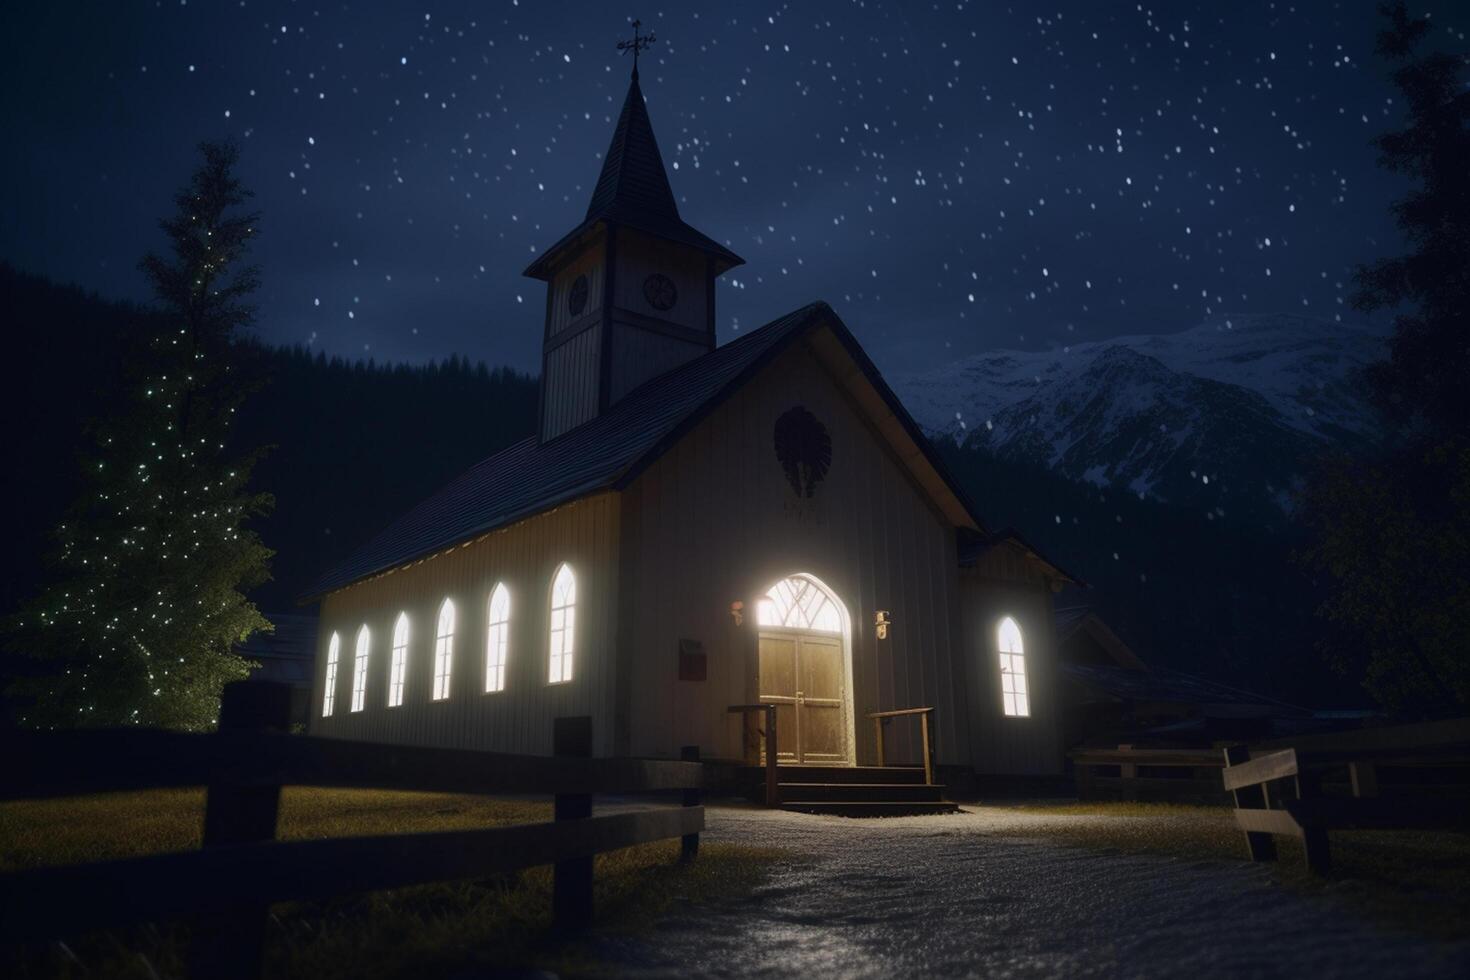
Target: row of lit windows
562	630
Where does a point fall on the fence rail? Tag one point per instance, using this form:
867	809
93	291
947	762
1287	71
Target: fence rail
229	885
1131	773
1279	790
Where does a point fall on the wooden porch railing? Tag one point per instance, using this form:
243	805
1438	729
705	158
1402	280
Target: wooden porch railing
881	718
773	792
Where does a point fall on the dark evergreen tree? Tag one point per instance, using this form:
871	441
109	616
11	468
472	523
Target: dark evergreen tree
1422	386
1391	534
147	598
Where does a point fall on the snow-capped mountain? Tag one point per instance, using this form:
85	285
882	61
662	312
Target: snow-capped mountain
1228	411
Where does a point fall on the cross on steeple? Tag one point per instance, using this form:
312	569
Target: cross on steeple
639	42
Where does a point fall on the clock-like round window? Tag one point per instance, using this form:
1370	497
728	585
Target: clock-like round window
660	291
577	298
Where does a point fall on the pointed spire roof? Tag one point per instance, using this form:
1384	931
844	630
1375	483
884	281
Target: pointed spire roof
633	180
633	190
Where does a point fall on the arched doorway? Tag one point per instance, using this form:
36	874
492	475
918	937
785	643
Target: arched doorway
805	669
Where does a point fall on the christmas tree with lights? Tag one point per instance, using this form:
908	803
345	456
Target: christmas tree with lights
146	600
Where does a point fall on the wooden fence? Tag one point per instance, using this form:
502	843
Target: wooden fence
1279	787
228	886
1150	775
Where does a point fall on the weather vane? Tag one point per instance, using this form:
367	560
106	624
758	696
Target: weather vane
639	42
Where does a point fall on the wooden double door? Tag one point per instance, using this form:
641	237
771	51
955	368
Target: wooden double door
804	675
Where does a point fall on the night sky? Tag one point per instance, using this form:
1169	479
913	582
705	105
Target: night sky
952	177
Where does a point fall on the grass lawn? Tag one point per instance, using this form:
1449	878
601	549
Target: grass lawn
1418	881
421	931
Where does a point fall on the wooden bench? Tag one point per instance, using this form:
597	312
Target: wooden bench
1267	805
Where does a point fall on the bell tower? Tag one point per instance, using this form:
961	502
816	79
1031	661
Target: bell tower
630	292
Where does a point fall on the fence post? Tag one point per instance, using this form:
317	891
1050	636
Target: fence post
692	797
571	884
232	944
1260	845
928	756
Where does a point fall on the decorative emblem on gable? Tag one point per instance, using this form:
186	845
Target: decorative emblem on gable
804	448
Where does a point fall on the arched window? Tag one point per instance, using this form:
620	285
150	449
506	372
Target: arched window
563	623
329	687
359	669
497	644
398	663
1014	696
443	650
799	603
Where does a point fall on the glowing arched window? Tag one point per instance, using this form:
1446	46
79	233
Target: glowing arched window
443	650
398	663
359	669
329	687
497	645
563	623
1014	695
800	603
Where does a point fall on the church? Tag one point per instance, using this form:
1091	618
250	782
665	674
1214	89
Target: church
694	527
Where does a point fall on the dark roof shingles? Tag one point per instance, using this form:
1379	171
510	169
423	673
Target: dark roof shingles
527	478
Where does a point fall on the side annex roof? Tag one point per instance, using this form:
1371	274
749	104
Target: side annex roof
609	451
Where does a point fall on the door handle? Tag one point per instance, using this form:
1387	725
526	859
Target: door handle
800	698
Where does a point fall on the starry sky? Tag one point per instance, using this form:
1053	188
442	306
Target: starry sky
953	177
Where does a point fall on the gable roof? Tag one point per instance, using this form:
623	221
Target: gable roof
1167	686
610	451
1068	620
633	190
971	547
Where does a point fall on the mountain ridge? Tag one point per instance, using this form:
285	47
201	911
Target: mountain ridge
1227	414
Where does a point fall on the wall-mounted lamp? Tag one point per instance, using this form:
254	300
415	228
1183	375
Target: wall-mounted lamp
881	620
737	612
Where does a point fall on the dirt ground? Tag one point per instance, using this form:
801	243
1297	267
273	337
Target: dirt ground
981	893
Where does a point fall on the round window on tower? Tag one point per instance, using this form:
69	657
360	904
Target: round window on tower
577	298
659	290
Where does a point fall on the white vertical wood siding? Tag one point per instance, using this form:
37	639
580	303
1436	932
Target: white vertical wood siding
638	355
1006	583
524	556
639	256
572	371
589	264
715	521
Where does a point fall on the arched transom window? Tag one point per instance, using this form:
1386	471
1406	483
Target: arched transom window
443	650
497	643
398	663
359	669
799	603
329	683
563	623
1015	698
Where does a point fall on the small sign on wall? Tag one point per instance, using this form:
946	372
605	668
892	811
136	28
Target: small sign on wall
692	665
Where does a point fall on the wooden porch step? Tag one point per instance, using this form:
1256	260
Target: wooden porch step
871	808
861	792
839	774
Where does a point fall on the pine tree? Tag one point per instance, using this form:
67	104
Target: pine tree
1391	532
1421	387
148	577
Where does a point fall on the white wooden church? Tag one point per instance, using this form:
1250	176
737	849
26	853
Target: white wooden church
693	527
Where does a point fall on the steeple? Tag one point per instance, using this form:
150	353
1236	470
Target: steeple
630	290
633	180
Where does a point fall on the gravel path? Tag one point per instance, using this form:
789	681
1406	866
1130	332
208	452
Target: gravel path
954	896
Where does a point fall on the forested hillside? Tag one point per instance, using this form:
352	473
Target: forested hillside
355	443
